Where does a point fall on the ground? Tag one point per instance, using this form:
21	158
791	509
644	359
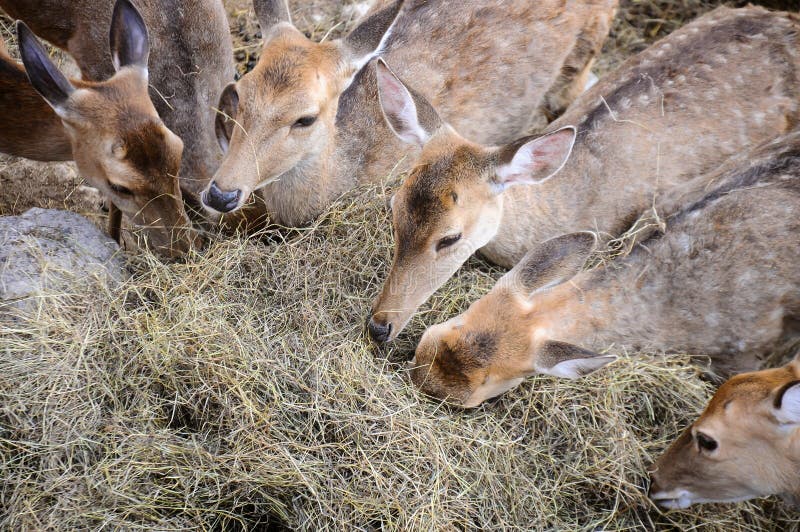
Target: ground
237	389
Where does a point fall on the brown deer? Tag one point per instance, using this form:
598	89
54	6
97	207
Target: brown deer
721	282
305	125
190	64
110	129
674	111
745	445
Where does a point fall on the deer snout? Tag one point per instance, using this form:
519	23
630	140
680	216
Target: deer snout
379	331
221	200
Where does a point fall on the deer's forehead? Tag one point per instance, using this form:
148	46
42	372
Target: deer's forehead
745	392
287	65
148	149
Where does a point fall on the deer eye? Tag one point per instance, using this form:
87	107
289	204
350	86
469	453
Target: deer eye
706	442
447	241
119	189
305	121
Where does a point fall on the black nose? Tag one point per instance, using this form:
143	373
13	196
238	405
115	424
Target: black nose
378	331
219	200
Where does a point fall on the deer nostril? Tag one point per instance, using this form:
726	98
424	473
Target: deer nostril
379	332
220	200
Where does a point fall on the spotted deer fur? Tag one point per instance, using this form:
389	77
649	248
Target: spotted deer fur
717	86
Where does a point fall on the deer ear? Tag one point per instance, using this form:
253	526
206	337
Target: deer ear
561	359
408	113
129	40
226	115
45	77
531	161
369	38
271	12
787	403
551	263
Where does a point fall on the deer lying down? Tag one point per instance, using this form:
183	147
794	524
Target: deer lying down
306	125
722	283
110	129
745	445
191	61
726	82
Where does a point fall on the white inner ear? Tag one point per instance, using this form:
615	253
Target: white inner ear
400	109
577	367
529	164
790	406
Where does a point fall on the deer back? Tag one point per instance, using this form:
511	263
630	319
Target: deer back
721	84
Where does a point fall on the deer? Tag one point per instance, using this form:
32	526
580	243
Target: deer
110	129
190	63
668	114
720	283
305	126
745	445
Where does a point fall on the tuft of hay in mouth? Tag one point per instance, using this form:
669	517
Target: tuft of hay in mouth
237	390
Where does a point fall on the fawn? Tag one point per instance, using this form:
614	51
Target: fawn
746	444
191	61
109	128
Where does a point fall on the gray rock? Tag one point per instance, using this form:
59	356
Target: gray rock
48	249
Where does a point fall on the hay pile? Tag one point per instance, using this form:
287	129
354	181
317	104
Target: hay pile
238	390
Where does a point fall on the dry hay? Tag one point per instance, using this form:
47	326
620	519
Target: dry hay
238	389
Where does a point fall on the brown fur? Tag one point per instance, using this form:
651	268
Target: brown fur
36	132
115	136
495	69
755	456
720	85
191	61
721	283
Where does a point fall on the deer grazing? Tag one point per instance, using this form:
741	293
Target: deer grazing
721	282
675	111
191	61
745	445
109	128
305	125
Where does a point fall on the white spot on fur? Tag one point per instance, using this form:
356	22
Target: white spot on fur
356	10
